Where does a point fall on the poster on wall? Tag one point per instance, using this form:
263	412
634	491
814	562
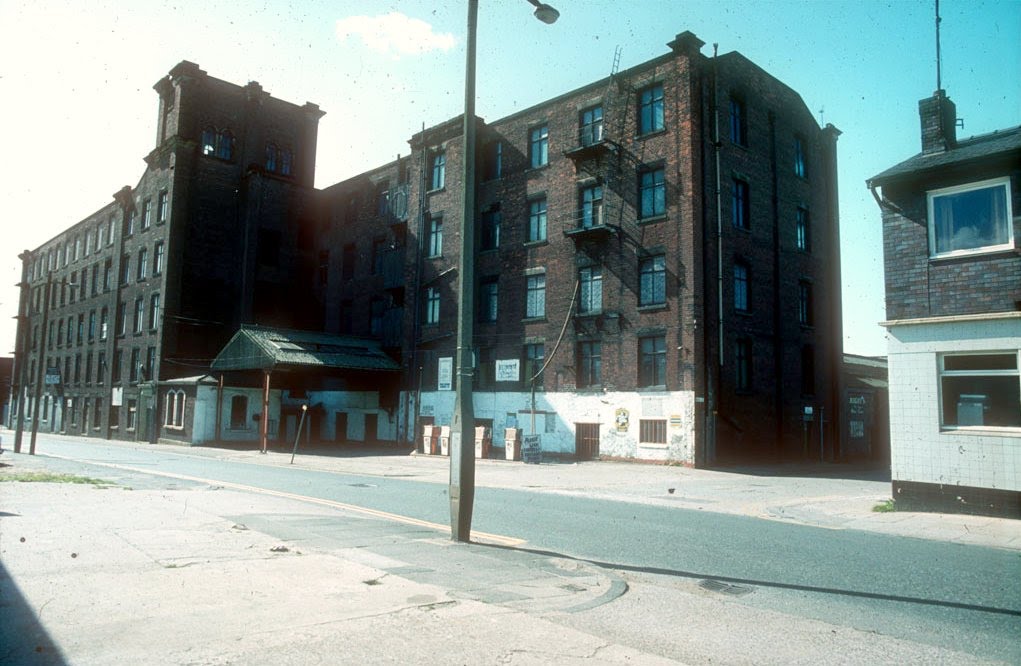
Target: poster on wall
117	396
445	374
507	370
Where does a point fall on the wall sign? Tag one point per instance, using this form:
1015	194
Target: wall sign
622	418
445	373
507	370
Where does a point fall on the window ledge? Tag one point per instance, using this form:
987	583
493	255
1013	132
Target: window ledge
536	169
996	252
652	219
981	431
534	320
651	133
651	445
536	243
585	315
658	388
434	191
652	307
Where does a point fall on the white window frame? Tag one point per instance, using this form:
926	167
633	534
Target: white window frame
942	373
931	197
173	410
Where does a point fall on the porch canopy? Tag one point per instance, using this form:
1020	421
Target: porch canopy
279	349
270	349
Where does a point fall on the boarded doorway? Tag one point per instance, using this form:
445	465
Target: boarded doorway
586	441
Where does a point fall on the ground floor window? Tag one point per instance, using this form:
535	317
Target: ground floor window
173	410
980	390
238	412
652	431
132	414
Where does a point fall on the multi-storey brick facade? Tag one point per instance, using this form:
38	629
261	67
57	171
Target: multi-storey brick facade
951	235
662	244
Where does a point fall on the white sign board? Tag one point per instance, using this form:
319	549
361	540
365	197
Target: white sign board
117	397
507	370
445	374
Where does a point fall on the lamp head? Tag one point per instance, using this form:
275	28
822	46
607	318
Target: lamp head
546	14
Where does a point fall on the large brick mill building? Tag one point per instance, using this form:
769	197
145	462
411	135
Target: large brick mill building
662	245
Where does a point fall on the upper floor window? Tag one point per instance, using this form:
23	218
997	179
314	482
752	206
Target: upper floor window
971	218
652	193
348	258
653	281
161	207
652	365
590	126
738	122
157	258
535	302
741	290
435	236
538	146
271	157
591	207
143	263
537	220
439	171
493	167
801	230
432	306
805	316
139	314
490	239
589	366
980	390
154	311
146	214
799	157
740	205
650	109
489	298
219	143
743	364
591	290
286	162
324	267
278	160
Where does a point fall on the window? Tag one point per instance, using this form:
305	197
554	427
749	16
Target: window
535	356
439	170
591	290
154	311
740	205
122	318
376	309
652	361
118	360
130	231
77	368
801	230
435	236
971	218
489	292
590	126
980	390
652	431
125	268
109	234
271	157
805	303
139	313
432	305
134	366
173	409
378	250
238	412
591	207
537	220
535	300
224	145
538	146
652	193
81	328
650	109
70	329
208	141
286	162
95	279
88	249
92	325
589	364
808	370
324	267
738	122
743	364
88	369
161	208
101	368
143	263
741	291
104	321
146	214
132	414
493	167
652	271
348	261
108	275
157	258
490	238
799	157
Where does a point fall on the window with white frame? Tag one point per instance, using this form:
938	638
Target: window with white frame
439	171
971	218
590	126
980	390
652	431
173	409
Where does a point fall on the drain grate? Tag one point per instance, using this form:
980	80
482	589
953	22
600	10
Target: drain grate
725	588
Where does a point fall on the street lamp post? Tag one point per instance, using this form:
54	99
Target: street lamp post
41	371
462	436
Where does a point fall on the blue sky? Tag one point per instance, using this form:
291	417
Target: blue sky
81	114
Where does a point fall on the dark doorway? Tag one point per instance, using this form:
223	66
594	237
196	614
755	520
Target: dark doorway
371	428
340	427
586	441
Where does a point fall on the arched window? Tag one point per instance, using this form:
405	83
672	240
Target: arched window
224	145
173	409
271	157
286	159
208	141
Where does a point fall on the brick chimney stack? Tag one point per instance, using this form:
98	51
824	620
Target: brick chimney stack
939	123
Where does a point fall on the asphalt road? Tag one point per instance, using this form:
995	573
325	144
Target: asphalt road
966	598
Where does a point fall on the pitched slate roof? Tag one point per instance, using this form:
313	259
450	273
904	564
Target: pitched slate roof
984	146
262	348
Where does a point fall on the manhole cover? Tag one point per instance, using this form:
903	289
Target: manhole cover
725	588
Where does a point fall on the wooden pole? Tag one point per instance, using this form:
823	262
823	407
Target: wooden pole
264	422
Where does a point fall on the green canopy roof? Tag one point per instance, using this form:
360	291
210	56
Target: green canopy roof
261	348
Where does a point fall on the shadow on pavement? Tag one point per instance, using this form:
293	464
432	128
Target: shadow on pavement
326	449
854	471
765	583
23	640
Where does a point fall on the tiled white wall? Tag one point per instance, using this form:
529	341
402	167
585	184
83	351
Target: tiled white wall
559	411
919	450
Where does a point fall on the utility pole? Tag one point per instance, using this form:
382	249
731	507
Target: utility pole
23	333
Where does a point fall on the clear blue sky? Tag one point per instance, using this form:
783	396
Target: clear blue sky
79	112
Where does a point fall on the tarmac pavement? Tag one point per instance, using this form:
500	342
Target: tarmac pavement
175	572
